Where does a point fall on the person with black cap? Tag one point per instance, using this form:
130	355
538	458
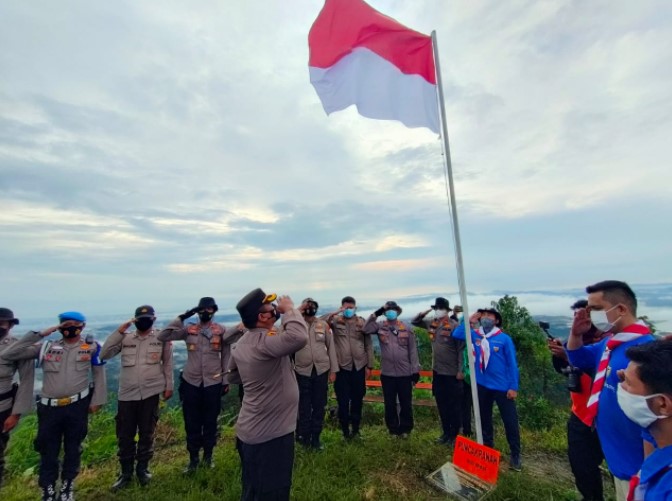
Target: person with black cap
400	366
354	351
447	362
15	399
66	398
203	380
146	373
497	377
316	366
261	361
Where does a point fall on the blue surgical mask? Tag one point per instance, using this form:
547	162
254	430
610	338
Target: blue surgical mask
391	314
349	312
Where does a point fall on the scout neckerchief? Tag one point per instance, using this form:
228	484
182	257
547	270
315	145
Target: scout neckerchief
484	357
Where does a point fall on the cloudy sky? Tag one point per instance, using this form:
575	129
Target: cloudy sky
156	152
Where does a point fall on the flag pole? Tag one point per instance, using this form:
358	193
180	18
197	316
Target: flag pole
458	244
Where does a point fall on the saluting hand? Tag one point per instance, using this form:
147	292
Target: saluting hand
582	323
125	326
49	331
285	304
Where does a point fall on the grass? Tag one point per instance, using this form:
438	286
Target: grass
377	467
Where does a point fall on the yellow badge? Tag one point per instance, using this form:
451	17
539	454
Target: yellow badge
271	333
191	347
496	348
84	346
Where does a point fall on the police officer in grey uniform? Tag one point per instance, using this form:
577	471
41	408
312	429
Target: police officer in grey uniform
354	351
15	399
400	366
267	419
316	366
66	400
203	380
146	373
447	363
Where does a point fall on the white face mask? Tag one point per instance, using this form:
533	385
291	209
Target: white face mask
440	313
600	320
636	407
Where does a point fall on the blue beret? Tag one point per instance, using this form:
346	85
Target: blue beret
72	315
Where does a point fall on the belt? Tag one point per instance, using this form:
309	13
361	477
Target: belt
61	402
9	394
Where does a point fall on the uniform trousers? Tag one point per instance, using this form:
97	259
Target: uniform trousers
200	407
67	425
312	401
585	457
507	409
350	388
398	388
4	439
447	392
267	469
137	417
466	406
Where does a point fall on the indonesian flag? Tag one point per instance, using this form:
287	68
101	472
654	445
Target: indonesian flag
362	57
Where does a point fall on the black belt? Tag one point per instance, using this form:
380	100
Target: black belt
9	394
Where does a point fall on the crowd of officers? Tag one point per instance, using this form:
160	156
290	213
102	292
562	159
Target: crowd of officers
285	371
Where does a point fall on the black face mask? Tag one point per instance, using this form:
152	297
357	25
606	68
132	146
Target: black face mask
144	324
310	312
3	331
71	331
205	316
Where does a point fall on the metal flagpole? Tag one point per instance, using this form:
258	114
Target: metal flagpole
458	244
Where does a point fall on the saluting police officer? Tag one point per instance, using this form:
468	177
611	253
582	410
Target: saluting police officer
267	419
15	399
399	364
146	373
316	366
202	382
354	351
67	397
447	363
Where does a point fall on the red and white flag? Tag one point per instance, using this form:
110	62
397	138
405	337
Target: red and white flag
362	57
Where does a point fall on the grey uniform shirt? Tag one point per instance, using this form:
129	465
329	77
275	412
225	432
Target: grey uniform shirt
26	368
260	359
207	354
319	352
66	367
354	348
146	364
447	352
398	348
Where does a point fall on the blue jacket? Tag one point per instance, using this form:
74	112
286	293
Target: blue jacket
502	371
621	439
657	475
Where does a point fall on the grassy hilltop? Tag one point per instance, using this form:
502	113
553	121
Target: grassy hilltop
377	467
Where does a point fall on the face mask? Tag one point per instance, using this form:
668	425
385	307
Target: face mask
600	320
144	324
440	313
487	324
310	312
205	316
3	331
391	314
349	313
71	331
460	316
636	408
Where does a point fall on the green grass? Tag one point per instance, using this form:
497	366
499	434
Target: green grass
377	467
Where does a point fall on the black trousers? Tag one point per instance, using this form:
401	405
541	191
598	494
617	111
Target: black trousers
447	392
4	439
200	407
466	405
312	400
350	388
401	388
507	409
67	425
585	457
137	416
267	469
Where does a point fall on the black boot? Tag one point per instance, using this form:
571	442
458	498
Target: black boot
68	490
142	471
315	443
193	464
49	493
125	476
207	460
